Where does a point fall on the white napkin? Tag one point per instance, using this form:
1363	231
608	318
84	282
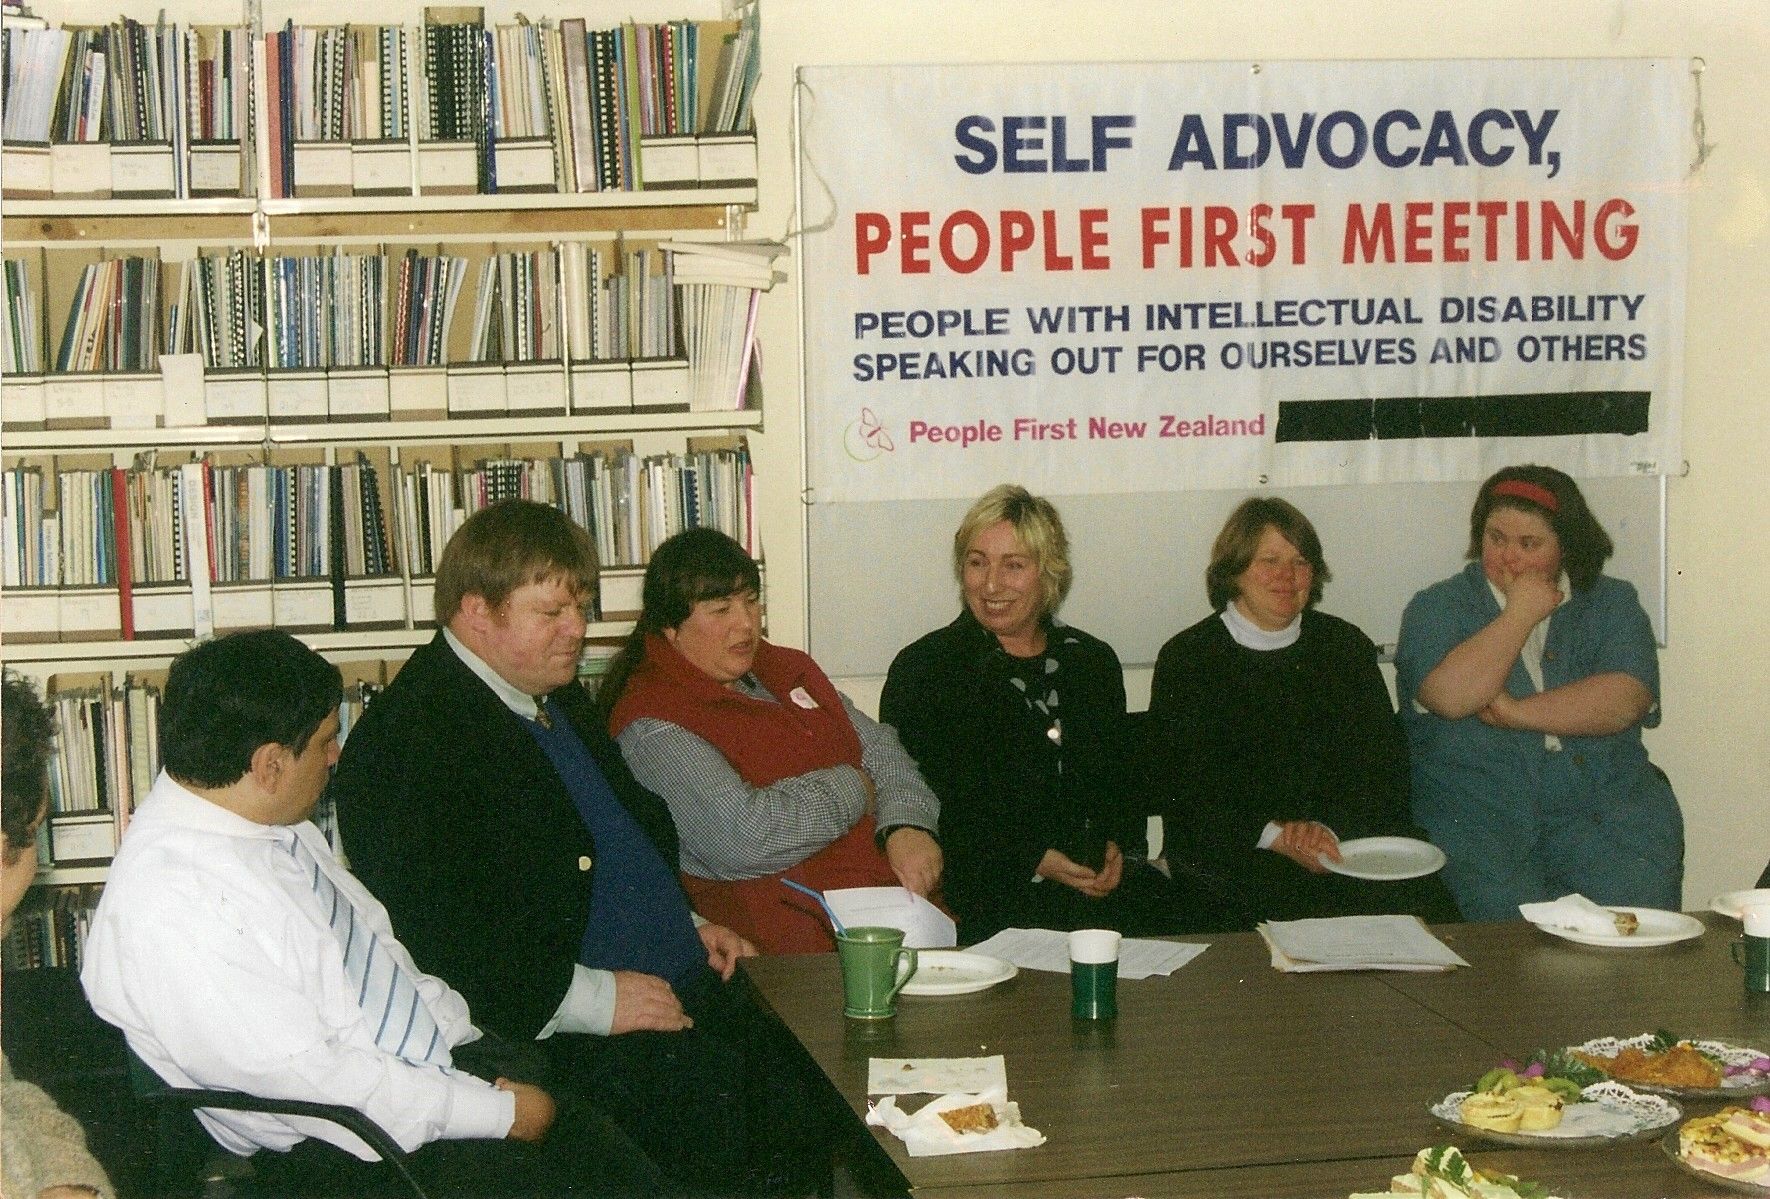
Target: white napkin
936	1075
1574	913
925	1134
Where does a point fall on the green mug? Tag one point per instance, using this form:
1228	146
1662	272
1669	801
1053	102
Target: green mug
875	966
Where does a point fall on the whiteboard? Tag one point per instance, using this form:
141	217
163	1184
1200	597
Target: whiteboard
880	574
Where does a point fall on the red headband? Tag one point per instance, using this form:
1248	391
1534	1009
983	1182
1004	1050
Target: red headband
1525	490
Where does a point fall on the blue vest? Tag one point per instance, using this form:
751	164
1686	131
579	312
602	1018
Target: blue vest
639	917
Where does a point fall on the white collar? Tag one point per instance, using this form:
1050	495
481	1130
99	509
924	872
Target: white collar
171	802
513	697
1251	636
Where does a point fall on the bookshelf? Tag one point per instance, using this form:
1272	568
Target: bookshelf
266	323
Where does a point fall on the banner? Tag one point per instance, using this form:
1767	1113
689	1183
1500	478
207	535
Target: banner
1145	277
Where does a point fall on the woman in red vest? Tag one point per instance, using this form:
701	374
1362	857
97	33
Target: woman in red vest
769	771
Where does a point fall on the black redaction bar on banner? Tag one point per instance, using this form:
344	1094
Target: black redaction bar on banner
1548	414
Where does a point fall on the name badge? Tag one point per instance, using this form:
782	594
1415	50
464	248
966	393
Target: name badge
802	697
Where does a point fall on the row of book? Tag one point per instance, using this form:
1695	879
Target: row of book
114	83
133	526
629	503
106	753
49	929
585	96
536	106
125	84
160	551
390	306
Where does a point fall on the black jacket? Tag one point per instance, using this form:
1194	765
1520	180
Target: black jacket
453	815
1003	800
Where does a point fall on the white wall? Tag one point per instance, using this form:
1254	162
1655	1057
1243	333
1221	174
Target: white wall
1715	742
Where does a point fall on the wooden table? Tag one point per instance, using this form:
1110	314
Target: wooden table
1231	1079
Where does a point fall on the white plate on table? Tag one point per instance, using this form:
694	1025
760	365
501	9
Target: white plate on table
1386	859
1657	927
955	972
1733	903
1609	1114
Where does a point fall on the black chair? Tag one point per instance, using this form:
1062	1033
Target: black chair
184	1148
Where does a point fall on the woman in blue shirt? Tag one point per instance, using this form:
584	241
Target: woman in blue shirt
1525	681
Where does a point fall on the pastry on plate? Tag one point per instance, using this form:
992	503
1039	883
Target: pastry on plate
1494	1112
1707	1144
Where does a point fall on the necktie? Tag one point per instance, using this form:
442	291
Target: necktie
388	995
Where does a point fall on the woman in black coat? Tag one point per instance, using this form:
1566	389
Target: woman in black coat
1271	732
1018	723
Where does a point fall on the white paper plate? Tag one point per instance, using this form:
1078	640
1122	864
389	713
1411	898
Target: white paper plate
1611	1114
954	972
1386	859
1656	928
1733	903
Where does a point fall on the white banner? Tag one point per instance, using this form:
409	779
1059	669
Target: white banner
1147	277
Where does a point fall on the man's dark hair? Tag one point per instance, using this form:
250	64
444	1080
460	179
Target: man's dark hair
26	731
226	697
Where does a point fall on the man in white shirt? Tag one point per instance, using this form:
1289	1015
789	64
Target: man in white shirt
235	952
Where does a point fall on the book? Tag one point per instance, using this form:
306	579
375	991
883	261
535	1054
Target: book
121	537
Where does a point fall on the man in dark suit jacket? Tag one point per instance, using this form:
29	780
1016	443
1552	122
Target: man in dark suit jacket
482	801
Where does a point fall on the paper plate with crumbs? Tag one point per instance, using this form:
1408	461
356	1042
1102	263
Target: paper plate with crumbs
1608	1114
955	972
1653	928
1387	859
1686	1069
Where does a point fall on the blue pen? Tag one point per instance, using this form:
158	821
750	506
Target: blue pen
821	902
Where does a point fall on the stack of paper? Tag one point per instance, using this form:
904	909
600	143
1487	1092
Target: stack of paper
924	925
1356	943
1043	949
721	284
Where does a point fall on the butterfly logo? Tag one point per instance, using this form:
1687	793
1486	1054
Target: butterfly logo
866	438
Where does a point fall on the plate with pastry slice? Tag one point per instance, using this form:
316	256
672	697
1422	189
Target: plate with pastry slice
1730	1149
1607	1113
1636	928
1686	1069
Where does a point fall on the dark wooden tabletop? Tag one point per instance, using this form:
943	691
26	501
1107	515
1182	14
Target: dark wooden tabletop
1228	1078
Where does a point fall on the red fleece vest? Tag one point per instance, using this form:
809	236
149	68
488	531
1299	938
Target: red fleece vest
764	742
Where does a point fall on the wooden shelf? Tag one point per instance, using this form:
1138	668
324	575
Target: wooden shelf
76	655
70	876
492	428
144	222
